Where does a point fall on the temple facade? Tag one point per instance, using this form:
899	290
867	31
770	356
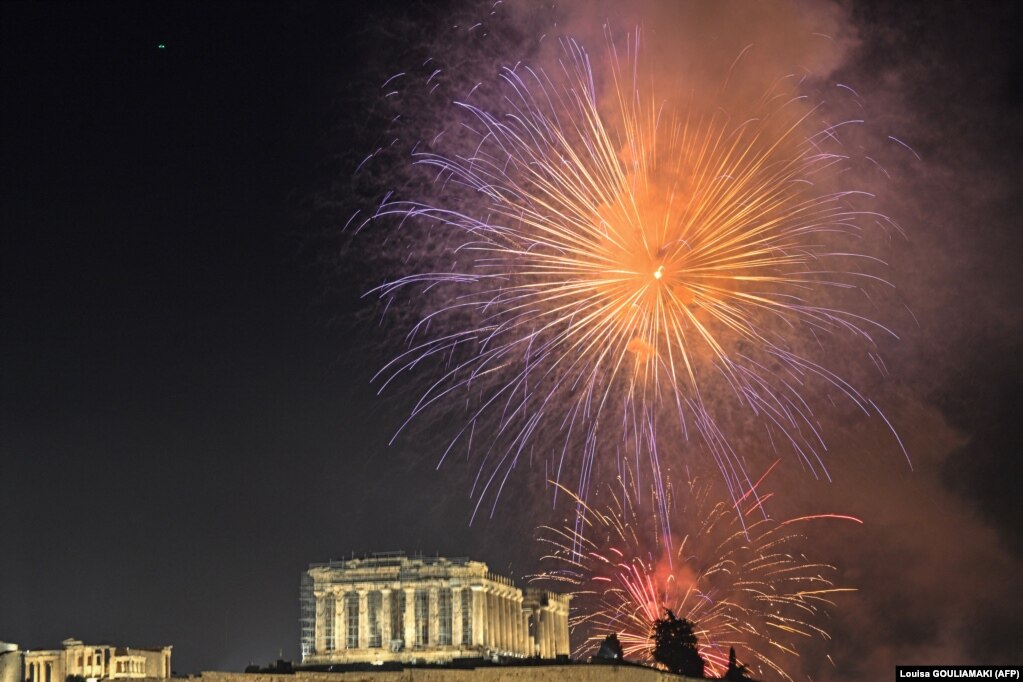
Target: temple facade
96	661
391	607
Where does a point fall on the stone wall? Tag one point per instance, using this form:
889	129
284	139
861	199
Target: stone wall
540	673
10	663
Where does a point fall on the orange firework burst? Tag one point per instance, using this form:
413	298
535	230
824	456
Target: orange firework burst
610	259
734	573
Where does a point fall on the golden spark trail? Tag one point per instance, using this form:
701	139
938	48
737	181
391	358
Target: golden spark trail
615	266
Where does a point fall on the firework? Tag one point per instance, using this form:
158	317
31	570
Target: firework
603	265
734	573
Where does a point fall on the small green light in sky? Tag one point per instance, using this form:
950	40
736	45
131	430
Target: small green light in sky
162	46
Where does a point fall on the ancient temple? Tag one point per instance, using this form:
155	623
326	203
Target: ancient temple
96	662
392	607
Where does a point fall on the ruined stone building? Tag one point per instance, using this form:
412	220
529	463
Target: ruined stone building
390	607
95	661
10	663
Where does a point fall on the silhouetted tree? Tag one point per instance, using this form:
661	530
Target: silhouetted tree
610	649
675	646
736	672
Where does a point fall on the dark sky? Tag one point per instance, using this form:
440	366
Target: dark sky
182	425
186	419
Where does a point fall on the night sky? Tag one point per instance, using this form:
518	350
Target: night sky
186	414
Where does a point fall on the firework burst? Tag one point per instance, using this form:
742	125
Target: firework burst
603	265
734	573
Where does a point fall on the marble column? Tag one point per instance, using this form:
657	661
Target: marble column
565	648
557	620
491	619
548	631
345	608
484	617
541	632
363	619
385	619
502	622
410	617
456	616
520	624
553	623
498	620
552	628
319	639
477	615
434	617
513	624
535	637
510	628
341	609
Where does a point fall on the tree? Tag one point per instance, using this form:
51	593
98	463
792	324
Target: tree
610	649
736	672
675	646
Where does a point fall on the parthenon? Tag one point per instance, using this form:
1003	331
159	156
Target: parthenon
391	607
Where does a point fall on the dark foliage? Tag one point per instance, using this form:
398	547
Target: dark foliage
610	649
737	672
675	646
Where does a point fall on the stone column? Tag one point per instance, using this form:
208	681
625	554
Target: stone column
511	621
434	612
491	618
558	645
552	628
541	633
520	624
319	639
385	618
410	617
348	608
527	638
456	616
545	633
499	620
486	616
515	645
552	624
477	615
506	631
563	633
363	619
535	637
509	628
496	608
340	621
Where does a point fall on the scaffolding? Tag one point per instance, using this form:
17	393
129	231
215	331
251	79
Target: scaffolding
307	615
